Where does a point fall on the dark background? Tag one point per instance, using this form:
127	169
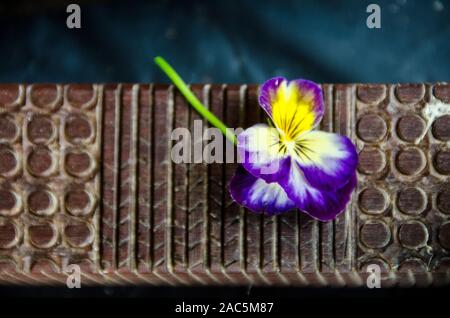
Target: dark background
225	41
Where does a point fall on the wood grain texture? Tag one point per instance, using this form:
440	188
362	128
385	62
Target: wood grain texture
86	178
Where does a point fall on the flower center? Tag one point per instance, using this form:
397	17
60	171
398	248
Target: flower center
295	147
286	144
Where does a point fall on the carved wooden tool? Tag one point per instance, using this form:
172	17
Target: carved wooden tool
86	178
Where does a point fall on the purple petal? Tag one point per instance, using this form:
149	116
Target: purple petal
319	204
327	160
257	195
267	92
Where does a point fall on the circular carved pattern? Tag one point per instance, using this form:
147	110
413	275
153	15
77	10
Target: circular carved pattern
441	128
46	96
7	200
411	161
10	94
8	234
10	203
413	234
371	160
443	201
442	92
384	266
444	235
375	234
8	129
44	266
8	161
81	95
414	265
40	129
40	162
371	93
373	200
412	201
42	202
43	235
77	129
410	93
442	161
410	127
86	266
79	163
371	128
79	234
79	202
8	266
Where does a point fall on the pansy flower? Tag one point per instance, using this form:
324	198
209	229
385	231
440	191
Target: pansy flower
290	165
286	165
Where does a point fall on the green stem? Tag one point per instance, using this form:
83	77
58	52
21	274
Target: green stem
193	100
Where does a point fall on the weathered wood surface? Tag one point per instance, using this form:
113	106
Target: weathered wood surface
86	178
